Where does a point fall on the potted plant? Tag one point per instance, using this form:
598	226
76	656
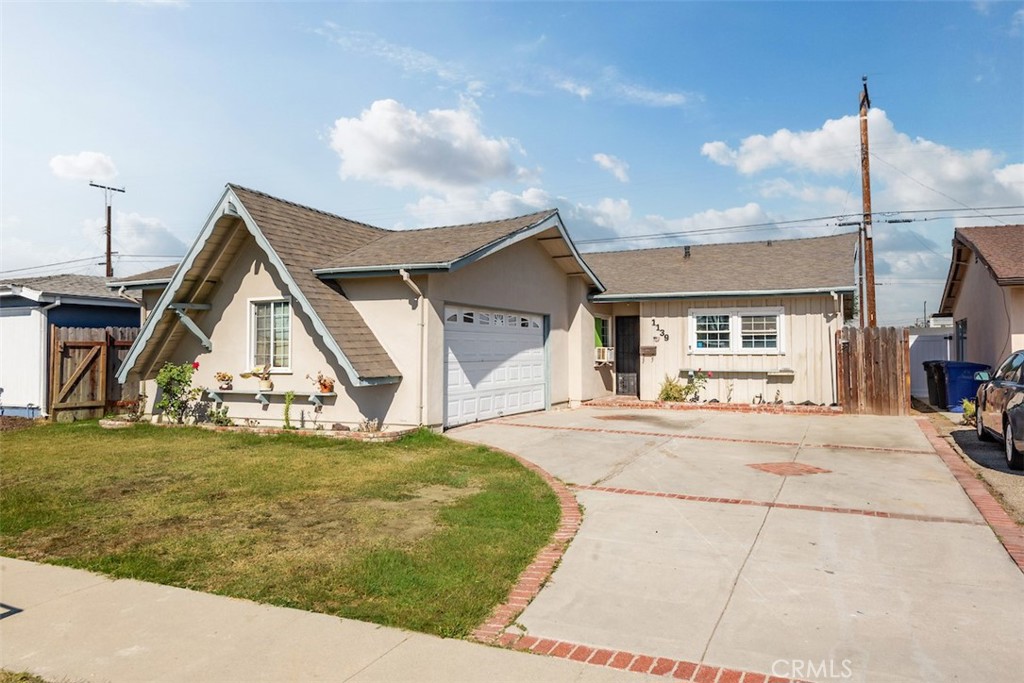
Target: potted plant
262	374
224	379
323	383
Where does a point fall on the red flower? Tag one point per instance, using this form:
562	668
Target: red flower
710	374
195	365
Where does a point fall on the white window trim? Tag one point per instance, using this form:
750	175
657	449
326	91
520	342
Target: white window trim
736	331
250	345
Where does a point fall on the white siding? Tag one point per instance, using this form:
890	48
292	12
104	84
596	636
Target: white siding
809	324
21	357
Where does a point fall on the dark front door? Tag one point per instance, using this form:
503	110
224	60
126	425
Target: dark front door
627	355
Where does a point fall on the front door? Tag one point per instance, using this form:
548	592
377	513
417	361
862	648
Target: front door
627	355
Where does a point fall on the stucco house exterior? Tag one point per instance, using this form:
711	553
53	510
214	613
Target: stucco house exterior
28	307
984	293
445	326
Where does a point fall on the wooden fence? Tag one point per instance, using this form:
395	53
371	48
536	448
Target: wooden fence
83	367
873	370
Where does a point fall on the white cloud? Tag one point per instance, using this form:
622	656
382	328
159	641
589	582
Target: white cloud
471	206
438	150
811	194
617	167
406	58
907	173
134	235
579	90
1017	22
84	166
638	94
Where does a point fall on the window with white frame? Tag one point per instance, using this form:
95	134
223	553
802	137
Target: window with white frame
271	334
737	331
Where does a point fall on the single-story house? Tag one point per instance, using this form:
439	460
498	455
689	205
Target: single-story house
984	293
445	326
28	308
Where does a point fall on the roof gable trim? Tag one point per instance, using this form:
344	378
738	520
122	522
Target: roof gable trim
230	205
611	298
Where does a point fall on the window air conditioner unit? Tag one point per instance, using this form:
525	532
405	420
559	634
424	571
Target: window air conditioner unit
604	355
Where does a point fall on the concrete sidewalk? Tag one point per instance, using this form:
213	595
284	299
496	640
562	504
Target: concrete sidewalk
79	626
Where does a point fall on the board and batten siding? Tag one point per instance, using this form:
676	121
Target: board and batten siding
809	325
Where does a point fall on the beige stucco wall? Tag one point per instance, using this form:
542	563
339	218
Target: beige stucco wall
809	327
994	314
522	277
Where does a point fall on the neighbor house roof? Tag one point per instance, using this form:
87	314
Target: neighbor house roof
816	264
999	247
66	285
157	277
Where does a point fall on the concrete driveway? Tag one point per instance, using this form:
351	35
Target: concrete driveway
814	547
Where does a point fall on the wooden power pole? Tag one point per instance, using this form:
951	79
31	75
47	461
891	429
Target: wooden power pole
106	193
868	262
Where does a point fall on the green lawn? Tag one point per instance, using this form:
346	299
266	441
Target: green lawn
424	533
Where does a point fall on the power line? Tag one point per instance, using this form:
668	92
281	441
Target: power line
50	265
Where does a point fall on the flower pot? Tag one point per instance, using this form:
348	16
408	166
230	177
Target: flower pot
266	385
225	386
326	387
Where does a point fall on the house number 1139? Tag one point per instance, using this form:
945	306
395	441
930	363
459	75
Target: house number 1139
659	332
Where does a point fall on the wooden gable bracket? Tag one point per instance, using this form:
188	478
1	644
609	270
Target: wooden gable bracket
180	311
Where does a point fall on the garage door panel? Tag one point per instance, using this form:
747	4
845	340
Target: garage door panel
494	364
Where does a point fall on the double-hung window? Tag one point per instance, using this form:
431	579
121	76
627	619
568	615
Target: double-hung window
736	331
271	332
602	332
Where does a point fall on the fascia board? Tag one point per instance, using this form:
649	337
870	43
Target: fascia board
613	298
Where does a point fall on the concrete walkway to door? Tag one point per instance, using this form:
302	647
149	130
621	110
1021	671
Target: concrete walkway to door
815	547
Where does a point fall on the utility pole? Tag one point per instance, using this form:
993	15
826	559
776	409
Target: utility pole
107	193
865	184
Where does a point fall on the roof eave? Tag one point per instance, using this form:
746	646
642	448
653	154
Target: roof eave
139	284
646	296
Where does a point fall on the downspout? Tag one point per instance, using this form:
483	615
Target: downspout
44	375
420	304
124	295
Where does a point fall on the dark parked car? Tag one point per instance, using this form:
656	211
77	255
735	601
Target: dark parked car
1001	408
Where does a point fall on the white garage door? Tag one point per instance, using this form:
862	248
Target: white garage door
494	363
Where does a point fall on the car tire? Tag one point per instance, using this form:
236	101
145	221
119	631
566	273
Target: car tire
983	434
1014	458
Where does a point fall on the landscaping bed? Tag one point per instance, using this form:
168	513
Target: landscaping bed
423	533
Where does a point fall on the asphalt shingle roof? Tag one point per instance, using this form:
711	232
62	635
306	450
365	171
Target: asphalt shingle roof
433	245
1000	247
304	238
67	285
776	265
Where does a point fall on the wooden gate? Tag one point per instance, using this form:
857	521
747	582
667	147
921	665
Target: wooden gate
873	370
83	368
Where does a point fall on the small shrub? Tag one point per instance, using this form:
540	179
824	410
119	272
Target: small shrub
289	399
676	391
970	412
178	396
220	417
368	424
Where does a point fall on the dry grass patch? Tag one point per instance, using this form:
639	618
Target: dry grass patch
424	533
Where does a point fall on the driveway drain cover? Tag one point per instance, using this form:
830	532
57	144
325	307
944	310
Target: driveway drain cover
787	469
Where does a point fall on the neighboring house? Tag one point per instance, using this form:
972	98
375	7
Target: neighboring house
28	307
449	325
761	317
984	293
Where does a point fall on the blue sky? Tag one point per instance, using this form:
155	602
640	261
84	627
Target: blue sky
632	118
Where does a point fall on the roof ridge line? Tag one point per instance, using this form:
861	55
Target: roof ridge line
716	244
477	223
289	202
